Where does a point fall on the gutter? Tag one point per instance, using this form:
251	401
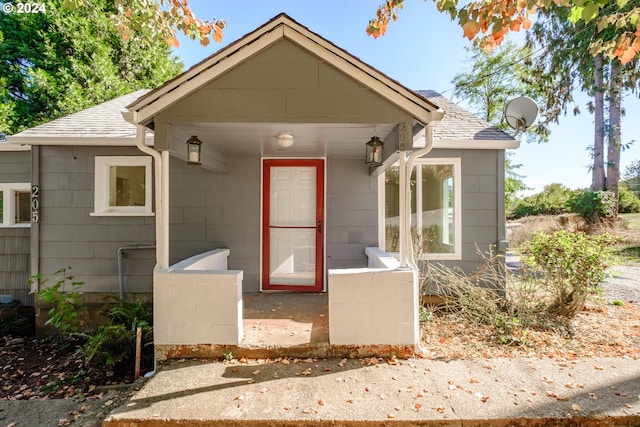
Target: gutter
161	178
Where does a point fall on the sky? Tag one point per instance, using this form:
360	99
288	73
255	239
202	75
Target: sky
424	49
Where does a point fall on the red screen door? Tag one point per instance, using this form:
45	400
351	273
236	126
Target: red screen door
293	225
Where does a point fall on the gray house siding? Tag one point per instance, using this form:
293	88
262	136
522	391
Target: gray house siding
352	219
71	237
15	167
211	211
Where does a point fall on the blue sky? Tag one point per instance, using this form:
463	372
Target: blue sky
422	50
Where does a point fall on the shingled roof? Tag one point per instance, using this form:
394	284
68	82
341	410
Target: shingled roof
459	124
99	125
103	124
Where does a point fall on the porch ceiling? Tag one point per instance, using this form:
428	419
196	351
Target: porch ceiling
343	140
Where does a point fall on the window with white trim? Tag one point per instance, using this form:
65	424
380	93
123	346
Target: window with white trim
122	186
436	226
15	204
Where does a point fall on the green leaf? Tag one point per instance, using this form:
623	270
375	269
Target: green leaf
576	14
590	12
622	3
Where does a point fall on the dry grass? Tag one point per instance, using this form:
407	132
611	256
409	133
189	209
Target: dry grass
601	329
464	327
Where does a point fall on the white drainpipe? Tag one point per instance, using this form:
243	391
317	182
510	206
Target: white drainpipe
407	257
162	253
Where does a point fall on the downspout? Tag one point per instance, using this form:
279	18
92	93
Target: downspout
409	261
162	259
407	257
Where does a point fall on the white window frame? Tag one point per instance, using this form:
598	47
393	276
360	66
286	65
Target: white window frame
456	162
101	198
9	191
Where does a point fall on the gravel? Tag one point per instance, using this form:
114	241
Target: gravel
623	284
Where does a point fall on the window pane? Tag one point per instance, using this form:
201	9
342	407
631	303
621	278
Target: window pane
392	209
126	186
437	210
23	207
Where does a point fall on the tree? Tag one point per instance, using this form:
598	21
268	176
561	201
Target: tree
632	176
496	18
564	65
492	79
160	19
55	63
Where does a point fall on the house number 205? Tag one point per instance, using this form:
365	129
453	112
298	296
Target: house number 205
35	203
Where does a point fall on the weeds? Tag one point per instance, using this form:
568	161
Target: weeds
562	269
66	313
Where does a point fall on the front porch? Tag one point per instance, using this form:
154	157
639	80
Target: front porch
201	312
282	324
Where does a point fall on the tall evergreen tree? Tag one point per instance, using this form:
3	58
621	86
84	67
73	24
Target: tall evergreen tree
566	65
62	61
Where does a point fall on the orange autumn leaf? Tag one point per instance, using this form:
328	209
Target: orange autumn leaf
526	24
217	36
515	25
470	29
172	41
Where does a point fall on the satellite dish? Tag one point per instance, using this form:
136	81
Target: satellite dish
520	112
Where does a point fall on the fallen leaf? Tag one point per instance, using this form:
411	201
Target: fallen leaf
598	368
321	402
342	362
576	407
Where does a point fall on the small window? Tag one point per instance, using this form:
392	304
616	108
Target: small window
23	207
15	204
123	186
435	209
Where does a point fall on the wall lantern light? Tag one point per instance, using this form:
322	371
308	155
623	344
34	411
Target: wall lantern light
193	150
374	151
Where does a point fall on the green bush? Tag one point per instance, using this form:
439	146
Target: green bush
114	344
570	265
593	205
67	301
628	201
552	200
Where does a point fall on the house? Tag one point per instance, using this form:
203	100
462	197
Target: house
247	174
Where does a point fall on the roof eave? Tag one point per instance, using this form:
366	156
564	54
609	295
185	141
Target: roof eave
478	144
75	140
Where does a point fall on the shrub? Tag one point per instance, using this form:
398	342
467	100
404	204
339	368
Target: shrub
114	344
552	200
570	265
593	205
67	301
628	201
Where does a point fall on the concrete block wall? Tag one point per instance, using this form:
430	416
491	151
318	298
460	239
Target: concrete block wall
197	307
372	307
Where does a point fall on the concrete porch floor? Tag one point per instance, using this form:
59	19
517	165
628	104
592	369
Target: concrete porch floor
285	321
283	324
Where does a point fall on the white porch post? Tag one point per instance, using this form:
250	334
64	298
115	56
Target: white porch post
403	223
164	237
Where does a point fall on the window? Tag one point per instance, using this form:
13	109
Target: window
123	186
435	209
15	204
